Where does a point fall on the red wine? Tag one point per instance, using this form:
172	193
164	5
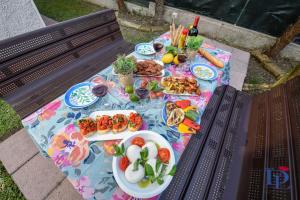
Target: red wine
158	46
99	90
181	58
194	31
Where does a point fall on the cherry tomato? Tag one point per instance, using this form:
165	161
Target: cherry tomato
164	155
124	162
138	141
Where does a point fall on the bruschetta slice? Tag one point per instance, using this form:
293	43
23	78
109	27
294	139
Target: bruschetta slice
120	123
135	121
104	123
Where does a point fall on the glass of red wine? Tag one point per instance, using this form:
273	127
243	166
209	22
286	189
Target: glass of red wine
158	45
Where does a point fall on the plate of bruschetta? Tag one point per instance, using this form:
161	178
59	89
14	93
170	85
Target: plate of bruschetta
110	125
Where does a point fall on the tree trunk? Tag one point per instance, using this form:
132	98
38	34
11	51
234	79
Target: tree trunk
159	10
289	34
122	7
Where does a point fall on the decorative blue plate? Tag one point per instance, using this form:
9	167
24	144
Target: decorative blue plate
145	49
204	72
173	128
80	96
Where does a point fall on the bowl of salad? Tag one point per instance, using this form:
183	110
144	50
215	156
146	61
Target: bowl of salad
143	164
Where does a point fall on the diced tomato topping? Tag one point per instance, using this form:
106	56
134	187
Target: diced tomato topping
164	155
138	141
124	162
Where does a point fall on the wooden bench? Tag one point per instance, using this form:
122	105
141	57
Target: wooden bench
248	148
37	67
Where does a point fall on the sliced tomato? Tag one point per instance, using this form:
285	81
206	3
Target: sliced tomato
183	103
124	162
164	155
138	141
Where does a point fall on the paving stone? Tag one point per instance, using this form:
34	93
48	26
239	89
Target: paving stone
17	150
238	66
38	178
64	191
241	55
236	79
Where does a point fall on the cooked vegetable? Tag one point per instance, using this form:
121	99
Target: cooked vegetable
164	155
183	103
192	115
194	108
191	124
182	128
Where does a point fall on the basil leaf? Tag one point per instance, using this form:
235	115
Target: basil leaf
117	150
149	170
144	154
123	149
157	165
173	171
136	165
163	170
160	180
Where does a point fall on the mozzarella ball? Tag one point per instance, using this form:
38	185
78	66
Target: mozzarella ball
133	153
152	149
134	176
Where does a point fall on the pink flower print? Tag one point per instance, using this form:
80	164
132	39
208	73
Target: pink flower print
120	195
82	186
186	138
70	129
49	110
79	153
178	146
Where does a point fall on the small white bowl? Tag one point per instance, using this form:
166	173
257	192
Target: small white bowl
153	189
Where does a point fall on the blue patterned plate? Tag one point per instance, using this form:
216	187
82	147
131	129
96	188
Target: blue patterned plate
165	118
204	72
144	49
80	96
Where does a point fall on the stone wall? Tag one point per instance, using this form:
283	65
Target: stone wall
17	17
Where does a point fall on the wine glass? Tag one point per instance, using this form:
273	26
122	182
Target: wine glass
158	45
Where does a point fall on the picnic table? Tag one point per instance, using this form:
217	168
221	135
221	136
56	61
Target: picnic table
88	165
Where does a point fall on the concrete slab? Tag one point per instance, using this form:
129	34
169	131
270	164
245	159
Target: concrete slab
38	178
239	66
64	191
237	79
240	55
48	21
17	150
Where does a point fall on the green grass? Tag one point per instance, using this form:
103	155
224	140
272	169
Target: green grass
61	10
9	120
8	189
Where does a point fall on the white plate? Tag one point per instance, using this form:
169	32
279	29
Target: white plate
157	61
110	135
153	189
145	49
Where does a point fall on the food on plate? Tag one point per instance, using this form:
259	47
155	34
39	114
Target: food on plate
139	141
124	162
152	149
134	98
183	103
146	165
134	174
120	123
211	58
153	88
87	126
100	90
191	124
133	152
182	128
181	116
142	93
135	121
104	123
176	117
149	68
180	85
164	155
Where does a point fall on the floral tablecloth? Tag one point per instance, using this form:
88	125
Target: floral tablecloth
88	165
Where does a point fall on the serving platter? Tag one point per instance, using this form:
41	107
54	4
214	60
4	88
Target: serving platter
80	96
145	49
110	135
177	94
153	189
163	72
204	72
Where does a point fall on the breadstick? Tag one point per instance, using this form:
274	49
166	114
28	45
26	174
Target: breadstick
180	28
211	58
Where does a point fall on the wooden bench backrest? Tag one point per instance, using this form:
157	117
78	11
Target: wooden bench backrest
34	55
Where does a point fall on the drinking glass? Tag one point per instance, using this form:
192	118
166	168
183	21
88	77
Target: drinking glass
158	45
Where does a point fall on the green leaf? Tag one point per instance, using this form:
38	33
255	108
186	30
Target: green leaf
149	170
136	165
157	165
173	171
160	180
119	151
123	149
144	154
